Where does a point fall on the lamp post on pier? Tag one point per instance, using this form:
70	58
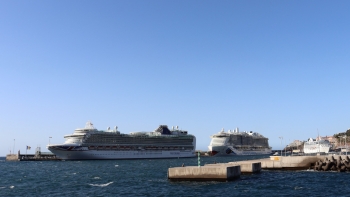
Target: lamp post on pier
285	148
14	142
281	138
340	145
346	149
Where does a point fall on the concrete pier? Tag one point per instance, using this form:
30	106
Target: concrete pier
12	157
280	163
204	173
288	162
38	156
247	167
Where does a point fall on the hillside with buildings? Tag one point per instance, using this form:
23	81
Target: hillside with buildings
341	139
338	141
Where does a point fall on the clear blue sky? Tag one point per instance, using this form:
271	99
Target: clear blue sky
280	68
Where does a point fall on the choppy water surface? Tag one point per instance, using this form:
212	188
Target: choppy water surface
149	178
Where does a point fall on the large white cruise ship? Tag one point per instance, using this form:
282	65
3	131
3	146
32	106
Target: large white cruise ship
313	146
90	143
239	143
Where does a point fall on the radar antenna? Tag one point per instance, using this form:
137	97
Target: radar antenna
89	125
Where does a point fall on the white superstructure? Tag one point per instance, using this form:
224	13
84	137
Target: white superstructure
238	143
90	143
313	146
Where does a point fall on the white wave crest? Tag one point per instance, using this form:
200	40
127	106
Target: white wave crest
96	177
12	186
116	165
101	185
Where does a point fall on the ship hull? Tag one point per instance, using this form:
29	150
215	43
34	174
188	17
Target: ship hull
230	151
125	154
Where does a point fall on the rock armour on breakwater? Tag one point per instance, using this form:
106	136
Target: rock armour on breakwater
340	164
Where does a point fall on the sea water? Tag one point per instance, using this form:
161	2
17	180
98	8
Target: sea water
148	177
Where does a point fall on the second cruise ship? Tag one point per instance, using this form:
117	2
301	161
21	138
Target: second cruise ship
238	143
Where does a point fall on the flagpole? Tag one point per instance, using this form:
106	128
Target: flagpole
14	142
